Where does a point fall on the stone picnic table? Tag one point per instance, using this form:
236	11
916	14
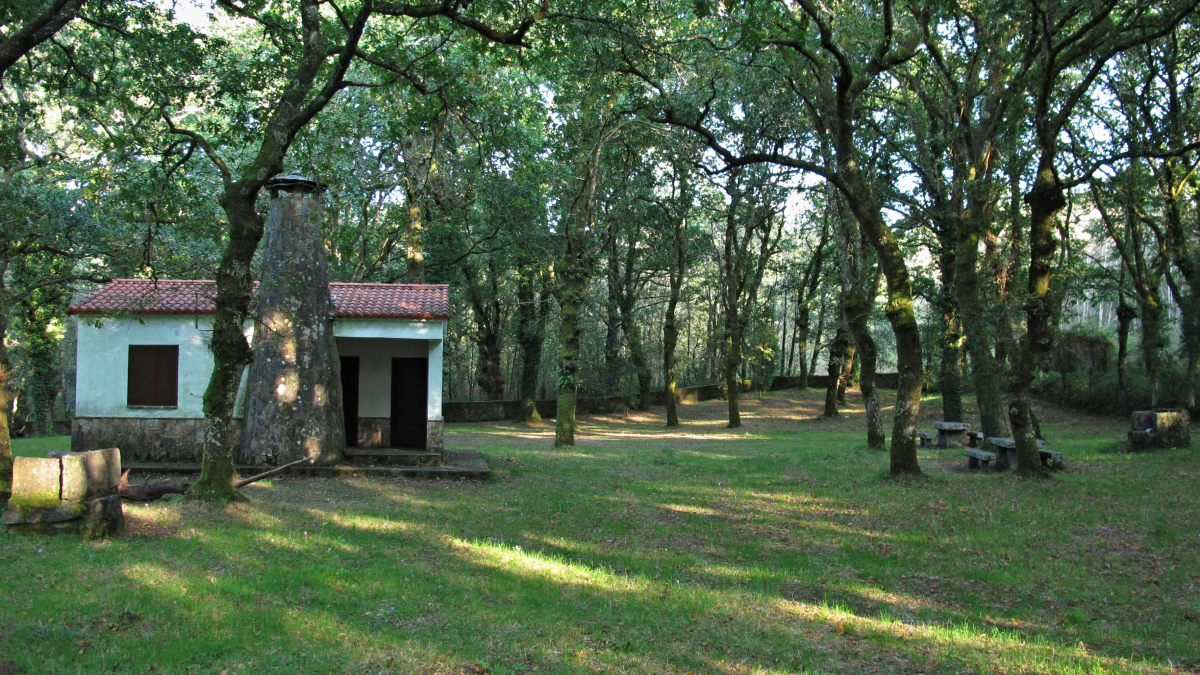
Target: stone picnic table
1005	455
952	434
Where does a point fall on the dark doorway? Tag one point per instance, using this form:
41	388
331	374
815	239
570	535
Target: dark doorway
350	399
410	382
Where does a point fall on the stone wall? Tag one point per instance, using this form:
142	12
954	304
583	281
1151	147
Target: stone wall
435	439
491	411
181	441
374	432
142	439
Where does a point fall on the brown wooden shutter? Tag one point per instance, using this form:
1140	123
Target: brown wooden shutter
154	375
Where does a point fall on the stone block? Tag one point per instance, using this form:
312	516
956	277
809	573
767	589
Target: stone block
1161	428
435	436
74	476
36	477
35	510
88	475
94	518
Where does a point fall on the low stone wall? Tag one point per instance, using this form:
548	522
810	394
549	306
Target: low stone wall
142	439
882	380
494	411
181	440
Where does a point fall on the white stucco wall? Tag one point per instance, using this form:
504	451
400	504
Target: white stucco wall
102	352
102	365
400	329
375	371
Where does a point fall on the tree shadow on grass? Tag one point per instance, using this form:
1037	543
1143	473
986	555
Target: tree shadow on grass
742	555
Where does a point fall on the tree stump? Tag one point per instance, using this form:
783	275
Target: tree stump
1161	428
294	389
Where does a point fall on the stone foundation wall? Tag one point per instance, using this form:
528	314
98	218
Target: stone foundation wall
142	439
435	436
374	432
181	440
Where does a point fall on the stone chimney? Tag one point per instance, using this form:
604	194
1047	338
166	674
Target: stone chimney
293	391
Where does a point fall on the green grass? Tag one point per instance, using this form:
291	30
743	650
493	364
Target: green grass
777	548
38	447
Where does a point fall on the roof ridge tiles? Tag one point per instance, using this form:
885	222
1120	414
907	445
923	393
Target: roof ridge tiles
197	296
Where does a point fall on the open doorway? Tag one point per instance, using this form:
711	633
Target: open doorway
410	384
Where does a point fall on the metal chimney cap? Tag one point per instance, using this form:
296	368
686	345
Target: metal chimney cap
293	182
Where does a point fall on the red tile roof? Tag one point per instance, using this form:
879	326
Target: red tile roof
178	296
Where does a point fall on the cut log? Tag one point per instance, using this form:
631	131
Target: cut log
148	492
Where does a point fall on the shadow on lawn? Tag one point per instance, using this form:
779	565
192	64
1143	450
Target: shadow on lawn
290	586
602	606
368	575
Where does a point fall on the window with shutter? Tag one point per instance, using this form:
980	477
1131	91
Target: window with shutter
154	375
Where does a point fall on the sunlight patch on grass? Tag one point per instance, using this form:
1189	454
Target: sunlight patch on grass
529	564
362	522
697	510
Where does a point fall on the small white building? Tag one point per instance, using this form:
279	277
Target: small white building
143	364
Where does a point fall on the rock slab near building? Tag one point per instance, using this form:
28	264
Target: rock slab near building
73	493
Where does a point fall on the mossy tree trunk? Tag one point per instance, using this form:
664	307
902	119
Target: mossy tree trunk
300	101
670	341
38	306
950	375
6	457
805	295
1145	262
839	352
1046	199
899	309
613	366
750	239
859	306
572	275
1125	317
581	243
532	309
676	270
986	368
483	292
733	361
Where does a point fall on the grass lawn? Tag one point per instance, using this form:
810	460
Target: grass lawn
38	447
776	548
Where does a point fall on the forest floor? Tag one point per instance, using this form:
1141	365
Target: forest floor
780	547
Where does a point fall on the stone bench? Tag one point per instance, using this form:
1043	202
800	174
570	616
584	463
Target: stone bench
975	457
1006	454
952	434
974	439
73	492
1161	428
925	438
